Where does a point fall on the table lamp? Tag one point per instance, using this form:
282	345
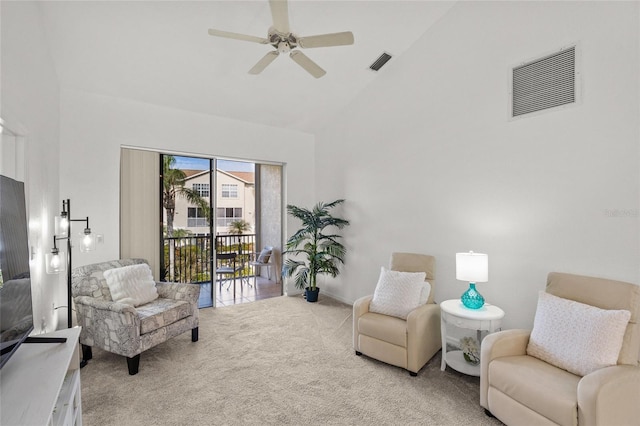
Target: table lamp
473	268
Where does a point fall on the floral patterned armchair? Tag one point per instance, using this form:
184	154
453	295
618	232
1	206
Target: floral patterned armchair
122	328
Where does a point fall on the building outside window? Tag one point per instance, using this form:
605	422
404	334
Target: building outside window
226	215
202	189
229	190
234	198
196	217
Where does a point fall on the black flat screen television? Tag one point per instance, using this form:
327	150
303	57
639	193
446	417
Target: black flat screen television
16	311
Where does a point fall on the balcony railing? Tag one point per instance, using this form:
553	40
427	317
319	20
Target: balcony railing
189	259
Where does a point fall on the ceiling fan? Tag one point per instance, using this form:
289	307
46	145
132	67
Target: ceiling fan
283	40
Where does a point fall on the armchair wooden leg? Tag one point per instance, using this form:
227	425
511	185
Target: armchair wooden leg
358	353
488	413
134	364
412	374
194	334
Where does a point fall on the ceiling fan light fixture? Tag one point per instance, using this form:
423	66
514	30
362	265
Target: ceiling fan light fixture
284	47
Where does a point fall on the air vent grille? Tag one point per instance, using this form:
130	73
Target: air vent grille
544	83
378	63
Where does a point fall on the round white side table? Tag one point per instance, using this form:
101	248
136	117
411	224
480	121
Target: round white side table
488	318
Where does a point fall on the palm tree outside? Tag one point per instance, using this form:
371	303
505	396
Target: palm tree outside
239	227
173	185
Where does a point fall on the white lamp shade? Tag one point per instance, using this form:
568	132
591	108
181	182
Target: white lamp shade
472	267
55	262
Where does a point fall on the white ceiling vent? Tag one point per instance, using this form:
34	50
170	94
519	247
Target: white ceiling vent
545	83
378	63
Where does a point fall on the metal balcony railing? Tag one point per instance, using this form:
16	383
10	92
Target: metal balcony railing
190	259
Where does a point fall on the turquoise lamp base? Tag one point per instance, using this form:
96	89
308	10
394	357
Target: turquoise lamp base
471	298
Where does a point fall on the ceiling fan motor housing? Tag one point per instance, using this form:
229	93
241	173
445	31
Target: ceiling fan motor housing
283	43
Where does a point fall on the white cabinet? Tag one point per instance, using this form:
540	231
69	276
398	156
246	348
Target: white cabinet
41	383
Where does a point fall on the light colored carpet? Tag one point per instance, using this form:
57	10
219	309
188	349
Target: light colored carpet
274	361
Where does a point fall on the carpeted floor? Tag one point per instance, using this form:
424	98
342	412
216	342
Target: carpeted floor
275	361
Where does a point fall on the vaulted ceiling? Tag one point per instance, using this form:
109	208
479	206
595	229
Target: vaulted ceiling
159	52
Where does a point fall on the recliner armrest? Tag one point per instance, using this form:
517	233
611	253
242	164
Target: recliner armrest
419	319
360	307
423	335
609	396
503	343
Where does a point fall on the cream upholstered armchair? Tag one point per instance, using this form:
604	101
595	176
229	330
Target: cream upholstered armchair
521	389
407	343
121	327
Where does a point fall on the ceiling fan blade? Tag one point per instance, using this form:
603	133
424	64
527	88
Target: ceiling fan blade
306	63
280	15
262	63
236	36
326	40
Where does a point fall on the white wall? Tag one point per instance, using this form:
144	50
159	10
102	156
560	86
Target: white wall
94	127
536	194
29	104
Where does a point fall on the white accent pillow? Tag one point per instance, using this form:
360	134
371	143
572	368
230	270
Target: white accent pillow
576	337
398	293
132	285
425	292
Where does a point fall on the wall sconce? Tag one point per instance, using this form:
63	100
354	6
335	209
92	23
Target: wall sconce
473	268
56	261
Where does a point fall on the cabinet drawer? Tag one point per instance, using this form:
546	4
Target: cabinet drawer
463	322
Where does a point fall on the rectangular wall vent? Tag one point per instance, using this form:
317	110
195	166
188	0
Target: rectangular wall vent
378	63
544	83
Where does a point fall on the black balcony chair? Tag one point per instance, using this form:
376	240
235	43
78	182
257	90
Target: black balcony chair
230	267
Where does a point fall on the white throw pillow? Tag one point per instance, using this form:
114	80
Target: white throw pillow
418	277
264	256
425	292
132	285
576	337
398	293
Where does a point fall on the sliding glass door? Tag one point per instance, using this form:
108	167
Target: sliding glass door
209	207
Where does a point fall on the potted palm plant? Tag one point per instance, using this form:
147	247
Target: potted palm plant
321	252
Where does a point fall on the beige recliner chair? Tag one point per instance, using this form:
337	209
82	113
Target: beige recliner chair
407	344
519	389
